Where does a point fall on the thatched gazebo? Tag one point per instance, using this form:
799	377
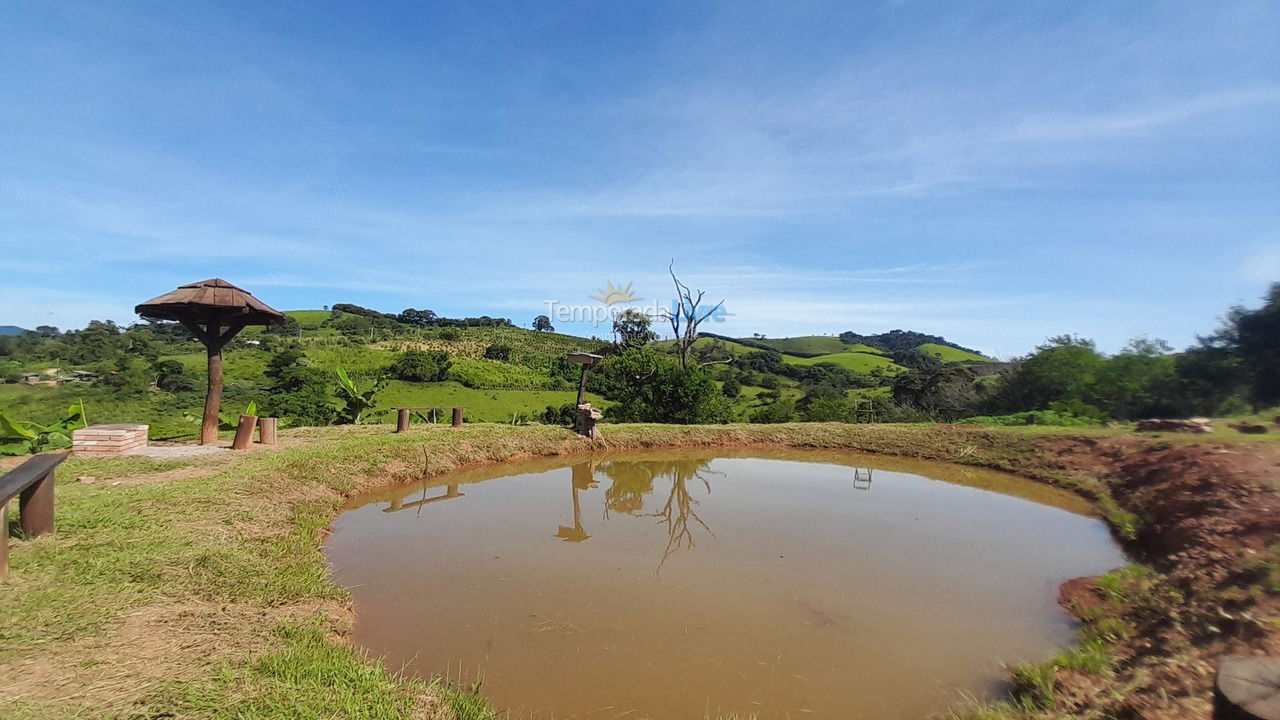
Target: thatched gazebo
214	311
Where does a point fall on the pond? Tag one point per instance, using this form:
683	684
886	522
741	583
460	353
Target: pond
692	584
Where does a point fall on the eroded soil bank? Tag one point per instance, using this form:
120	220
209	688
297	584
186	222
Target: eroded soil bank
222	568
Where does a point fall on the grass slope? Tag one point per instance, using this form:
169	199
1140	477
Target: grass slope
858	362
949	354
806	344
482	405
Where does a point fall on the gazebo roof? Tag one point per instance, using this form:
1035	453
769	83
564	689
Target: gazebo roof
216	297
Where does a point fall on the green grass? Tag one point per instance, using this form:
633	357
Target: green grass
493	374
860	347
482	405
858	362
806	344
949	354
309	319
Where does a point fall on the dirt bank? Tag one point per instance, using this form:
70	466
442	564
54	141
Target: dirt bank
1208	526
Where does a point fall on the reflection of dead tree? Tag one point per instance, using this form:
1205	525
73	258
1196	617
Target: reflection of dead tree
678	511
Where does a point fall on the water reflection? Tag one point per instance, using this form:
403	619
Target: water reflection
583	478
807	596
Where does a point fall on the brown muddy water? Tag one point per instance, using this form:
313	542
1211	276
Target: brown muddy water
677	585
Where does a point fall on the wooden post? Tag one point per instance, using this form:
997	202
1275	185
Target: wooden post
402	420
582	385
4	541
213	396
244	432
457	417
214	339
35	504
267	430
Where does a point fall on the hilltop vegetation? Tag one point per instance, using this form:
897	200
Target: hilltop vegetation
155	373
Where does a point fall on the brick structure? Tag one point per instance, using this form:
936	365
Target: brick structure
108	440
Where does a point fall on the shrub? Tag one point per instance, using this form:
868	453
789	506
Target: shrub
731	388
171	376
652	387
775	412
563	415
421	366
300	396
498	352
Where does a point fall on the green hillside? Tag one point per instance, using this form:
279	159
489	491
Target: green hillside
805	345
309	319
949	354
858	362
859	347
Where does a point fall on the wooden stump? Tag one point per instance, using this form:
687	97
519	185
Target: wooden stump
457	417
1247	688
244	432
267	431
402	420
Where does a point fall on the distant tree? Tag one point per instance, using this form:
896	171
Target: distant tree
283	360
300	396
172	376
419	318
649	386
633	329
731	388
421	366
917	359
542	323
1138	381
498	352
288	327
1257	336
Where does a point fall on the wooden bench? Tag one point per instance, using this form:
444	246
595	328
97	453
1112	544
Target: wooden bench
32	482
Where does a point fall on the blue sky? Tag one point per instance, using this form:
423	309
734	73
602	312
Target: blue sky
996	173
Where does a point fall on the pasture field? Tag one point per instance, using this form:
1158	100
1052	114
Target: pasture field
806	345
482	405
857	362
949	354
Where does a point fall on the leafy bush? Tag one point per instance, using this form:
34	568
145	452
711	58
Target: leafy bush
421	366
300	396
494	375
775	412
171	376
21	437
498	352
652	387
731	388
563	415
1032	417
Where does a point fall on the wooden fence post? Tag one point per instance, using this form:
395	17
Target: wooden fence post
402	420
267	431
457	417
244	432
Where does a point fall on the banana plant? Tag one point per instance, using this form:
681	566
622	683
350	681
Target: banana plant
357	403
224	423
22	437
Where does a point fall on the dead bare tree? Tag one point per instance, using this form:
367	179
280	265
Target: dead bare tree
685	318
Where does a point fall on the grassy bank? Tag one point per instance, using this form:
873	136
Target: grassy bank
199	589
